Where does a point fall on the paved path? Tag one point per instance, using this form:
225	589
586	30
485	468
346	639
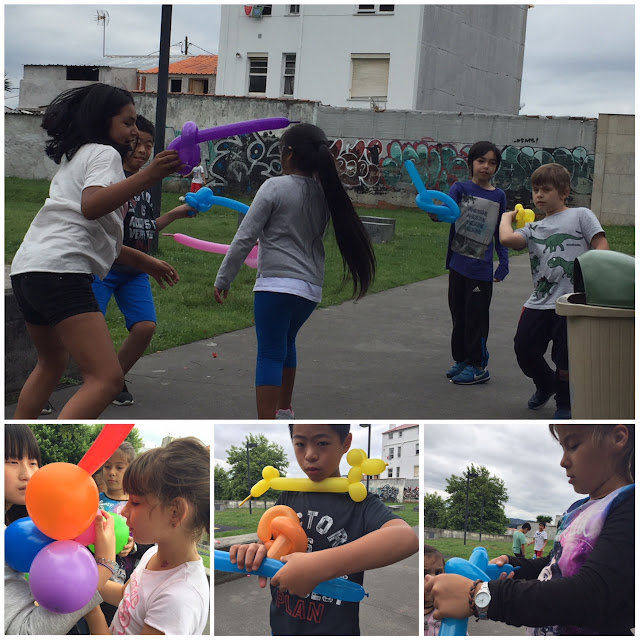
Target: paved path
381	358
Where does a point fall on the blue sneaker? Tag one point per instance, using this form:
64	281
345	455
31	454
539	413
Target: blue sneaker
562	414
457	368
471	375
539	399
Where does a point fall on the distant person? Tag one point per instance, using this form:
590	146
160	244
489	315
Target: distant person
520	540
197	178
586	585
433	566
289	215
472	239
539	540
130	286
554	242
78	232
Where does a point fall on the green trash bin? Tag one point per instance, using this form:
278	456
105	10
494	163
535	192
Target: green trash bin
600	326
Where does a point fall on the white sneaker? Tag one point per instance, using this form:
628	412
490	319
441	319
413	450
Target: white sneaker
284	414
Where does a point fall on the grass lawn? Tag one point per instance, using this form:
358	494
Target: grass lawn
187	312
455	547
244	523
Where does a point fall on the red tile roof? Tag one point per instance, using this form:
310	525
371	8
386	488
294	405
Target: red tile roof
194	66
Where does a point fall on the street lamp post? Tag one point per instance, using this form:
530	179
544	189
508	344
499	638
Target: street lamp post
250	445
466	510
368	426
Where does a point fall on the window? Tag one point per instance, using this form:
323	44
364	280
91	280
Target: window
289	73
198	85
369	75
366	8
391	436
175	85
387	8
141	83
417	448
89	74
266	9
398	452
390	474
416	470
258	74
399	434
397	472
294	9
391	453
372	9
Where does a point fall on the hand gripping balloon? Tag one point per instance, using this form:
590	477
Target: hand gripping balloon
523	216
213	247
187	143
338	588
360	465
447	212
281	532
203	200
476	567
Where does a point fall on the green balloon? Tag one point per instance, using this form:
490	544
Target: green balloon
122	533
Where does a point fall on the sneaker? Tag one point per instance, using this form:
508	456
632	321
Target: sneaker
284	414
457	368
539	399
471	375
124	398
562	414
48	409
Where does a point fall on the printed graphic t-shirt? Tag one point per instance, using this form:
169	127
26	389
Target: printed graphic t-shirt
330	520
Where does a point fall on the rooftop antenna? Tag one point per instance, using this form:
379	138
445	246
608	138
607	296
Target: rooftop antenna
103	16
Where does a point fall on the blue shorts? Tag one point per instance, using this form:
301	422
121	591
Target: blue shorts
132	292
278	317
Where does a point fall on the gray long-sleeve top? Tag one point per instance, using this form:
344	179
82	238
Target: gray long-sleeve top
22	617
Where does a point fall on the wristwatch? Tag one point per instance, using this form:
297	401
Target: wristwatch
482	600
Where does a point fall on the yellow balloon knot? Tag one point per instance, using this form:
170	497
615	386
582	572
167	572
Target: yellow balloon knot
523	216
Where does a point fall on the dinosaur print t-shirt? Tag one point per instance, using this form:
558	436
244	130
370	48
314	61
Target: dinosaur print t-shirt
554	243
329	520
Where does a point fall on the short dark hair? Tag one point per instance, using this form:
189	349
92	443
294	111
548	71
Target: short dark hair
432	551
146	125
544	524
341	429
479	149
526	526
20	442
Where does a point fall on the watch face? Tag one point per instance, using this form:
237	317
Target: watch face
482	600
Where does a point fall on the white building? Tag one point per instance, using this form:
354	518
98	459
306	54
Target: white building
401	450
407	56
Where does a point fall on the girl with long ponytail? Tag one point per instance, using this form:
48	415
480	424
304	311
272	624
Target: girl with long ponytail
289	217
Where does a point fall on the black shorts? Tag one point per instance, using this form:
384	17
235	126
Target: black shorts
45	298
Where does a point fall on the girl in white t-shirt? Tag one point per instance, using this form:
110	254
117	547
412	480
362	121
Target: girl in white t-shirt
169	505
77	233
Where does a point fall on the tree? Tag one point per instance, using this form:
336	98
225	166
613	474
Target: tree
546	519
7	83
491	487
435	511
69	442
221	489
265	453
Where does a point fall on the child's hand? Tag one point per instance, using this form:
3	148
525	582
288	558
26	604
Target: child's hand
185	211
300	574
160	271
105	545
450	594
164	164
501	561
220	295
127	549
249	557
510	215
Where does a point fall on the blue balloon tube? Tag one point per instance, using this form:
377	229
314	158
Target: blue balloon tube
338	588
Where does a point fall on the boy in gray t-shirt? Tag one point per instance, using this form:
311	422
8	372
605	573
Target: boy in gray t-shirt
554	243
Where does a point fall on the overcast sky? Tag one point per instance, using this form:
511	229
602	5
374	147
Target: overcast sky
227	435
153	432
579	59
523	455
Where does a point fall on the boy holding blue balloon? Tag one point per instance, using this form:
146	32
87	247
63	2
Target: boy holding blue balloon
345	539
472	239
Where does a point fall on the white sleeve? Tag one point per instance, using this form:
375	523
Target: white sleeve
176	611
103	167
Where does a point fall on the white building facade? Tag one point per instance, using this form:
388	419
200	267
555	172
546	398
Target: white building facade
401	450
408	56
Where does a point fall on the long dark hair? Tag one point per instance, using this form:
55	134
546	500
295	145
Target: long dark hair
19	442
310	149
81	116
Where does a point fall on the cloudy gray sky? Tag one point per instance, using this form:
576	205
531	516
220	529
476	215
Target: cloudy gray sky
153	432
227	435
579	59
523	455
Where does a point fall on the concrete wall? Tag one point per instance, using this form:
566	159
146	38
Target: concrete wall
370	149
434	534
614	174
440	57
